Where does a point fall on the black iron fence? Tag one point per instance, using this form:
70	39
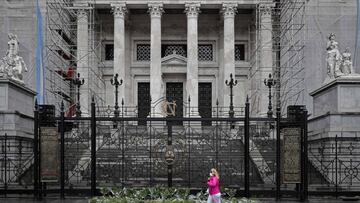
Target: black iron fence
124	150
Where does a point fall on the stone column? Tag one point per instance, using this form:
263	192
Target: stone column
266	57
156	83
192	73
229	11
119	11
82	58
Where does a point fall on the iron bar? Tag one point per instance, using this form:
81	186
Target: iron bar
217	136
93	148
122	145
336	165
169	144
278	154
305	123
150	146
189	145
246	146
62	151
5	162
36	150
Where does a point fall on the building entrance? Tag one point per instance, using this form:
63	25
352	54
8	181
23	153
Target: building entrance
143	101
205	94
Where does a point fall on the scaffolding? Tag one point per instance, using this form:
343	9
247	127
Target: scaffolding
291	71
287	53
61	56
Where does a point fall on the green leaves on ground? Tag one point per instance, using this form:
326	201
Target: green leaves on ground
162	195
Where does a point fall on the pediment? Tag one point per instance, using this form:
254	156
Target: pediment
174	59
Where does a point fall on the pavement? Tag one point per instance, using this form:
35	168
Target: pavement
86	200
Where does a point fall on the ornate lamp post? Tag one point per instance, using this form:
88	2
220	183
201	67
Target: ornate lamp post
270	82
115	82
232	83
78	82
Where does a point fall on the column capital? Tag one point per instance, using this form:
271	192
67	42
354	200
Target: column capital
81	13
192	9
229	9
118	9
156	9
266	9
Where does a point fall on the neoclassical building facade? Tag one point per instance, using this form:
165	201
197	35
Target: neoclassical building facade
176	50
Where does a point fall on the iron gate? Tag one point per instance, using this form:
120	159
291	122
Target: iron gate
108	150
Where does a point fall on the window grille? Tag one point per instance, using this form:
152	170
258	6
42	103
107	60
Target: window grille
168	49
205	52
143	52
109	52
239	52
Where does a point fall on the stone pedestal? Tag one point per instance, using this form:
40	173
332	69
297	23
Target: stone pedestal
16	109
334	129
336	108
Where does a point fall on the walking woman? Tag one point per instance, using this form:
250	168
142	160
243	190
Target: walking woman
214	188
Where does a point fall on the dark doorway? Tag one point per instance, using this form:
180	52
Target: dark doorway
205	98
143	101
174	92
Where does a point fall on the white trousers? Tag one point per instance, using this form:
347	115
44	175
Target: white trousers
214	198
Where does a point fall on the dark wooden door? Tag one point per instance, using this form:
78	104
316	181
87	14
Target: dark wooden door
143	101
174	92
205	98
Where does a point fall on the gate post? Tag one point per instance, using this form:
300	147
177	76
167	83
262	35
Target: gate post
278	154
246	150
93	148
62	151
36	150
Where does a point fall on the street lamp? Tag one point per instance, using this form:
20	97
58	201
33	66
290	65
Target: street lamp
232	83
115	82
78	82
270	82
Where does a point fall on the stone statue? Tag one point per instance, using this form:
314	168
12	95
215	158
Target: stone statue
333	58
12	65
346	65
337	64
331	42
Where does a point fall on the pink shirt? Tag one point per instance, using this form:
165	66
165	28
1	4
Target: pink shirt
213	184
